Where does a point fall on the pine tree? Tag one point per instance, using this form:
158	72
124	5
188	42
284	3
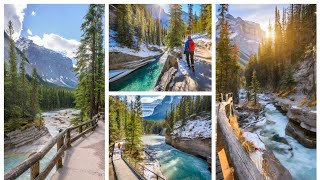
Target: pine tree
124	25
190	20
208	15
227	71
35	96
255	86
15	110
195	23
23	87
176	25
90	56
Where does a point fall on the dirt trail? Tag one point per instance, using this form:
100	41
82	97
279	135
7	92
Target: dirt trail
85	159
200	80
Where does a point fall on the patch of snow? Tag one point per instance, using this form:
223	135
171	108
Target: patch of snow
143	52
183	68
233	35
254	138
200	127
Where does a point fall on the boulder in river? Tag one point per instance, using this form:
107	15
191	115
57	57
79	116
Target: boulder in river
279	139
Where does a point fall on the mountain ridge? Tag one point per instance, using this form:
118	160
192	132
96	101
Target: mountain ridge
53	67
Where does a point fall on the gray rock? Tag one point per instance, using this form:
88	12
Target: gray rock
303	136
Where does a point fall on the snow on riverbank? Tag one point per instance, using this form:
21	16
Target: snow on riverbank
256	156
197	127
143	51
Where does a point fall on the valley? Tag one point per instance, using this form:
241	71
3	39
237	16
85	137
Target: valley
176	133
150	57
266	108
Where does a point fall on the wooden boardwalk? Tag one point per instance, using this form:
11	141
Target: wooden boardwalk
122	170
85	159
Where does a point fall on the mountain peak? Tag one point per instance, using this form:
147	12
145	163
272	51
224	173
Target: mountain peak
52	66
23	43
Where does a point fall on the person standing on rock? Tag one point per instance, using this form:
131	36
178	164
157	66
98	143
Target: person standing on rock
189	48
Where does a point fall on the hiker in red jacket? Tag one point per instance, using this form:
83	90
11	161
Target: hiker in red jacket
189	51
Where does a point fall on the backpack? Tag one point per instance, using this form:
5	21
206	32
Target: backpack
191	45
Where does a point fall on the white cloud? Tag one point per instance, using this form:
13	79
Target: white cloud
29	32
33	13
14	13
150	99
57	43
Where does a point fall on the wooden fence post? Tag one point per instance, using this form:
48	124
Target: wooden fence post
35	169
80	129
68	139
59	145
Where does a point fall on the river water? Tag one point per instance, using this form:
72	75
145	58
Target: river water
300	161
176	164
13	159
143	79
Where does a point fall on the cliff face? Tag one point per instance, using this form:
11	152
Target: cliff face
193	136
298	106
246	34
169	70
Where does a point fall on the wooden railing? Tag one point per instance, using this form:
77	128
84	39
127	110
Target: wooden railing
63	141
244	168
135	167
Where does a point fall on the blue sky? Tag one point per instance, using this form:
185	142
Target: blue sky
195	8
257	13
64	20
56	27
144	99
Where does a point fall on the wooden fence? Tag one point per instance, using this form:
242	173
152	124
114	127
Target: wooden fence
238	158
63	141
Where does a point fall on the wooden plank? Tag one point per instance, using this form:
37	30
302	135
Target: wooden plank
81	134
244	168
59	145
35	169
51	164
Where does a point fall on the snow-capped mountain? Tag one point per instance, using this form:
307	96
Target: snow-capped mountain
52	66
247	34
160	110
158	11
148	108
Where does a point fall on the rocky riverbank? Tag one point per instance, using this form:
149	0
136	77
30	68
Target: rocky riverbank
169	70
33	138
193	136
19	138
176	74
303	120
284	148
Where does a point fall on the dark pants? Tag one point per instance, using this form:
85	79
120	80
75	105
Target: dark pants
191	54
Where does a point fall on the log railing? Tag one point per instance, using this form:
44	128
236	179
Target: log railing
244	168
63	141
134	166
